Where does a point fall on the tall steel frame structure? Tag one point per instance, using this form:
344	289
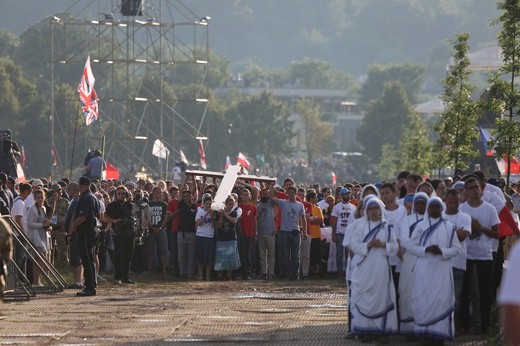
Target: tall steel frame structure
151	72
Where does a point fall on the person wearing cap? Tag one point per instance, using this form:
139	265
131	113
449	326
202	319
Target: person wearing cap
342	214
57	212
36	184
434	243
372	299
85	223
96	166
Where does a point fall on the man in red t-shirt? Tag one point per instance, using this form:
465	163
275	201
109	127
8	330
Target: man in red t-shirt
173	208
249	229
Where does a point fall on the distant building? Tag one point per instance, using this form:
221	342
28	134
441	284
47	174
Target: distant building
344	115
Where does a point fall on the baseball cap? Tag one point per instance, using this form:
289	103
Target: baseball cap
55	187
344	191
37	182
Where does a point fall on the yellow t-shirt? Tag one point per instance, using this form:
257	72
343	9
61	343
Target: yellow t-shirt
316	228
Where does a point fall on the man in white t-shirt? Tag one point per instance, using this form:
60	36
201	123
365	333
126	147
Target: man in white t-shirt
484	228
462	223
18	209
323	202
509	298
342	214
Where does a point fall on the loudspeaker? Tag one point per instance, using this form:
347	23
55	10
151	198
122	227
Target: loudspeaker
132	7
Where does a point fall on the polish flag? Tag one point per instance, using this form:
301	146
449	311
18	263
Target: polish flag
54	156
334	179
183	157
243	161
228	163
23	157
202	155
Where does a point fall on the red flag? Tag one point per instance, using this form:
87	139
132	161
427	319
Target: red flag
243	161
507	224
23	156
202	155
54	156
228	163
88	95
112	172
333	179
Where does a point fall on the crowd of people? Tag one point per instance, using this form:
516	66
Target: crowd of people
408	249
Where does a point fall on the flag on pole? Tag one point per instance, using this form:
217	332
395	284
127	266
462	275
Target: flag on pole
23	157
88	95
334	179
486	137
20	173
159	149
112	172
183	158
202	155
228	163
243	161
54	155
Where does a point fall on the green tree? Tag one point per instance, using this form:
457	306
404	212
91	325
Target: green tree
457	127
410	75
384	120
415	147
319	74
316	132
504	96
8	42
389	166
261	125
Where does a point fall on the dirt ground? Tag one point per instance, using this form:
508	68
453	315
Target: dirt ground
310	312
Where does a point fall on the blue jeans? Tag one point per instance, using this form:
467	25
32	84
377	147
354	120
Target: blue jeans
340	253
290	253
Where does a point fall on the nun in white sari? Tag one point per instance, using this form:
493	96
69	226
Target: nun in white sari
372	289
434	242
408	226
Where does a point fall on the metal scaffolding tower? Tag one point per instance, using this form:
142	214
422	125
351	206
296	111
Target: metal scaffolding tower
151	71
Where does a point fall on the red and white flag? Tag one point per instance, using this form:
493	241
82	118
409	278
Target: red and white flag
243	161
54	155
88	95
202	155
334	179
23	157
228	163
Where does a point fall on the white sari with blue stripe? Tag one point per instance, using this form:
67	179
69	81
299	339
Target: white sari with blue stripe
372	289
433	296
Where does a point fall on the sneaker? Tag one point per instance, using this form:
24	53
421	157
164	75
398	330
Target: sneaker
270	276
128	281
117	282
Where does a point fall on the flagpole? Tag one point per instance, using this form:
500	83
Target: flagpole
74	141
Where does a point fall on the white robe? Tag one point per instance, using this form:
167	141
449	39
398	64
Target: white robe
372	298
406	325
433	296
